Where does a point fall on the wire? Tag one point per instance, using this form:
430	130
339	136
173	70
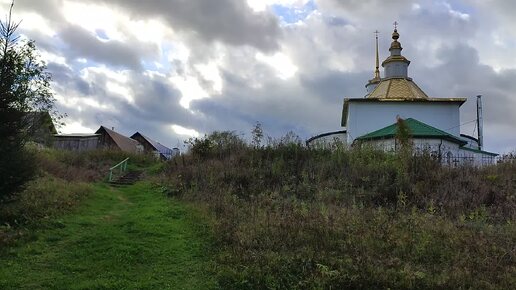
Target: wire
461	124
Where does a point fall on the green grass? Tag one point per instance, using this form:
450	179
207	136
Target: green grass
128	238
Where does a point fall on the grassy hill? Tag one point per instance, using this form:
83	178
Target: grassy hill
228	215
69	230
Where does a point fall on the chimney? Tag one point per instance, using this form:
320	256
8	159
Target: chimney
480	123
112	128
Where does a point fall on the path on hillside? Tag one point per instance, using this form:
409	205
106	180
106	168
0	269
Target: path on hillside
128	238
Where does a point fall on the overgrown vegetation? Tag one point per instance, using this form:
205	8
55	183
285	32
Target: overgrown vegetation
62	180
289	217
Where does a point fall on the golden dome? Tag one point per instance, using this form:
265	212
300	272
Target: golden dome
397	88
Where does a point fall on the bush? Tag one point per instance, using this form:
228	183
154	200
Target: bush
43	197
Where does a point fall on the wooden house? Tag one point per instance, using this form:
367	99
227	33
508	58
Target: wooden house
150	146
109	139
76	142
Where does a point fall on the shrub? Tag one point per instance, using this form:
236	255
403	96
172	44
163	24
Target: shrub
43	197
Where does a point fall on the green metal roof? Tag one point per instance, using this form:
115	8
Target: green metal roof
417	130
479	151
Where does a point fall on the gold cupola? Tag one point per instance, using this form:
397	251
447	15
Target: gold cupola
396	85
396	65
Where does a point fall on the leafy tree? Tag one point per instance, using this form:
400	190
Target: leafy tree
24	87
257	133
403	134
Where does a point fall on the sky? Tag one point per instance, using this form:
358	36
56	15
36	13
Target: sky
175	69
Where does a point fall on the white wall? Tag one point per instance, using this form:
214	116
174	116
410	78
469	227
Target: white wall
433	146
329	141
366	117
449	153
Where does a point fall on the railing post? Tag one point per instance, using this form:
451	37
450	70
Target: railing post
122	167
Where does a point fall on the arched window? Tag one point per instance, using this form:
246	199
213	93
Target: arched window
449	158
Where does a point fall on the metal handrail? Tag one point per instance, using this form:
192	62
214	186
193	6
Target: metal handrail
122	165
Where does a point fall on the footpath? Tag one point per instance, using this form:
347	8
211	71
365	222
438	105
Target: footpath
129	237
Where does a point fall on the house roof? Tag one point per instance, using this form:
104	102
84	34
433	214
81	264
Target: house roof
156	145
325	135
479	151
124	143
76	135
417	130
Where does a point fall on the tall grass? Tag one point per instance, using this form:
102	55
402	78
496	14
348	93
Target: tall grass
289	217
63	179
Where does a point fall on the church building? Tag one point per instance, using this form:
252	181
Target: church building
433	123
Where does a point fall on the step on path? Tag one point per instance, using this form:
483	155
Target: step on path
128	179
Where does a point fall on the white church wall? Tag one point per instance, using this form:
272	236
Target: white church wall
449	153
366	117
435	147
329	141
476	158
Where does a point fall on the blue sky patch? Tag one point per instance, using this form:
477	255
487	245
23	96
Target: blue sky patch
293	15
101	33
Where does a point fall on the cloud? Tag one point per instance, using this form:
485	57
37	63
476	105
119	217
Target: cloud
134	65
228	21
82	44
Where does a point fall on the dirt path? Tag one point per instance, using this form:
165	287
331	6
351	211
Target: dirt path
129	238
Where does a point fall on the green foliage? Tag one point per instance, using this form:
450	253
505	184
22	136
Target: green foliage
222	144
24	87
257	135
289	217
43	197
403	134
61	182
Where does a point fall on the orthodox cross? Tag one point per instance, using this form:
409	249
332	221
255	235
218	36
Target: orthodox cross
395	25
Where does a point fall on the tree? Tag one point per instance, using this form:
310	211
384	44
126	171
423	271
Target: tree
24	87
257	133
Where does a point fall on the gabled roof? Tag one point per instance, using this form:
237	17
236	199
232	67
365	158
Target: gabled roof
77	135
164	150
417	130
124	143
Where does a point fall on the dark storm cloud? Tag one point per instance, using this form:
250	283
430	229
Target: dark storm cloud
228	21
333	86
66	76
306	106
82	44
155	107
462	75
48	8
